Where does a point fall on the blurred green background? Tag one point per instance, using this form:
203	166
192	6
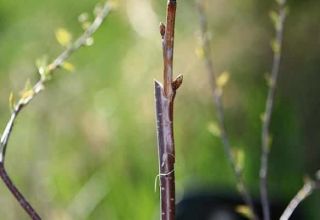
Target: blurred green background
86	147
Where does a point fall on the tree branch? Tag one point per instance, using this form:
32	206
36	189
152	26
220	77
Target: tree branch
17	194
307	189
164	96
278	19
45	75
217	99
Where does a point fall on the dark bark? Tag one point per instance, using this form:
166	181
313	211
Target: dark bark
17	194
164	111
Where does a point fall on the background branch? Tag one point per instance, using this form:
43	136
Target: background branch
307	189
278	18
27	96
217	99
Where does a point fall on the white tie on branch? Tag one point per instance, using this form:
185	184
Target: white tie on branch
46	72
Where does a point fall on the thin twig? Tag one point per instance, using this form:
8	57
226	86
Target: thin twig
241	186
50	69
279	20
17	194
164	96
307	189
45	74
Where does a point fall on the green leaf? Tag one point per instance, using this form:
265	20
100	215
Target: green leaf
89	41
245	211
275	18
63	37
199	52
68	66
223	79
239	157
214	129
11	101
275	47
84	20
27	92
41	64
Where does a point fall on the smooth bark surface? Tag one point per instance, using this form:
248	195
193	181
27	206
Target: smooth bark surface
164	96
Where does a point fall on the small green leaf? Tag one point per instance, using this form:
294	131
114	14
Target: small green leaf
275	18
63	37
263	117
84	20
245	211
83	17
11	101
223	79
268	79
27	92
214	129
199	51
89	41
275	47
68	66
41	64
239	157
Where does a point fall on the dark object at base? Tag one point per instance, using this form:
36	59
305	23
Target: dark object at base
206	205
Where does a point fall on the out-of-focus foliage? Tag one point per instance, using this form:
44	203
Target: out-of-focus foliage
86	147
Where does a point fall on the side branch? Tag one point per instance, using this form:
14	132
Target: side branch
46	73
307	189
278	20
217	99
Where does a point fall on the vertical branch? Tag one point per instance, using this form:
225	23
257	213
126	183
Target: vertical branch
164	96
217	99
46	73
278	19
307	189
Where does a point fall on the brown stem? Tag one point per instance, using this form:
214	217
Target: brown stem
20	198
168	43
164	96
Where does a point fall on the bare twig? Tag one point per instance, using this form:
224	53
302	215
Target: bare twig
45	73
48	71
217	98
307	189
278	19
17	194
164	96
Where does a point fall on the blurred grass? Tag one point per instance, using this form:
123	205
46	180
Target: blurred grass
86	147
